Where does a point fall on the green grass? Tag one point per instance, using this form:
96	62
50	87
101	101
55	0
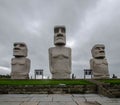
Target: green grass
43	82
112	81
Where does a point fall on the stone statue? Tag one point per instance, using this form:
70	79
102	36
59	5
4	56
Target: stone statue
20	64
99	64
60	56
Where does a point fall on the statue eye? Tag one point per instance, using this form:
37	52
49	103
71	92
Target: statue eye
56	30
15	45
103	48
22	45
97	48
63	30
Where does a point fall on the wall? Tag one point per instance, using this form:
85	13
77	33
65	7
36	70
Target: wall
47	89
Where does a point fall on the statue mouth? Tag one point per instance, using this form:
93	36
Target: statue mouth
101	52
60	38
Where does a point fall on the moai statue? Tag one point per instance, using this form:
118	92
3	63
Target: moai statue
60	56
20	64
99	64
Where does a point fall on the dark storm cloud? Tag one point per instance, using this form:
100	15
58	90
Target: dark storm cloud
87	22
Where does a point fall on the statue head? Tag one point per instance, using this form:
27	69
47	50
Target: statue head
20	49
59	35
98	51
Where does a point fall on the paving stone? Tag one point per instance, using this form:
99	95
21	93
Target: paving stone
41	99
30	103
57	99
60	95
13	99
38	95
78	99
91	95
68	103
78	95
49	103
81	103
62	98
88	103
57	103
16	95
92	99
109	103
10	103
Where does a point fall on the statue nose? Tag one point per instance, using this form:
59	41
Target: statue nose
17	46
101	49
59	35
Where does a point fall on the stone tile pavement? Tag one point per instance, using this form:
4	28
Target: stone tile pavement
57	99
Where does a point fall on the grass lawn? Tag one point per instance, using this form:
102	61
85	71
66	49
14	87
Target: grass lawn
43	82
112	81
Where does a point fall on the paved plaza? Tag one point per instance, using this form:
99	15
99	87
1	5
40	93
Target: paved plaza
57	99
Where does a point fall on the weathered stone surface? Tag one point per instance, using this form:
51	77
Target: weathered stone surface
42	89
20	68
20	64
45	99
99	64
88	103
62	98
57	103
23	99
10	103
59	35
60	62
20	49
60	56
30	103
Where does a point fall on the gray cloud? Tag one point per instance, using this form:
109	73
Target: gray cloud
87	22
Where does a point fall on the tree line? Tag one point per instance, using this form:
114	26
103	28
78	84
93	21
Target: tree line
5	76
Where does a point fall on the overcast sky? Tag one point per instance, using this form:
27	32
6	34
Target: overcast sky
88	22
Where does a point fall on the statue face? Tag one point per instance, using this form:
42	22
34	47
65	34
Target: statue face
98	51
59	35
20	49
